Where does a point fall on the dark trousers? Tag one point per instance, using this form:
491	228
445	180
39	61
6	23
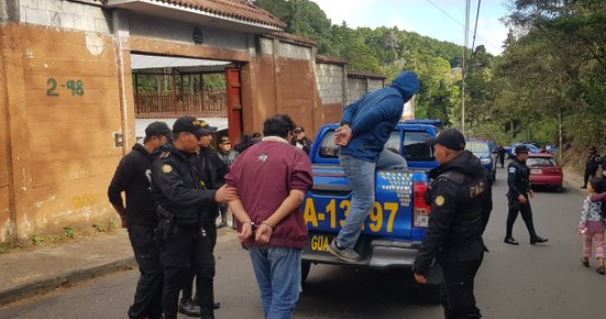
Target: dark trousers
589	172
514	209
188	288
187	248
502	161
456	290
148	294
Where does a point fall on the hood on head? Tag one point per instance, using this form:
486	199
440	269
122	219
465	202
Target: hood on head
407	83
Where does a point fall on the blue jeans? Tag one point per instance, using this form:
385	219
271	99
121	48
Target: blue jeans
278	272
361	175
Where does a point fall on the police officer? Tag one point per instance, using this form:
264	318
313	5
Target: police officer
591	165
183	205
212	172
518	180
133	178
454	235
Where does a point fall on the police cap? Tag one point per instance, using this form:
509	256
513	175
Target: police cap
450	138
522	148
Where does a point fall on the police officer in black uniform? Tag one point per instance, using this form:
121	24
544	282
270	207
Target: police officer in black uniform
454	235
518	196
133	177
591	165
212	174
183	205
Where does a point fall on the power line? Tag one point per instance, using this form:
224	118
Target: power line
475	29
459	23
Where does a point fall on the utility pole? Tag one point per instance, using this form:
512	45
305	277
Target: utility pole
467	7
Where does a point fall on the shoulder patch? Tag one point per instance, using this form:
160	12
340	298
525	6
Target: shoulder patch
167	168
512	169
440	200
164	155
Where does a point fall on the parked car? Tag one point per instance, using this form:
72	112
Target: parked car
544	171
482	150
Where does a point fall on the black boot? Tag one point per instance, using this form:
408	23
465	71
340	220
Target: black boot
538	240
511	241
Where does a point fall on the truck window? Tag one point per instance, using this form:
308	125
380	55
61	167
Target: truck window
328	148
416	148
393	144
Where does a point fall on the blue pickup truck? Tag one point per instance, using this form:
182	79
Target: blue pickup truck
396	226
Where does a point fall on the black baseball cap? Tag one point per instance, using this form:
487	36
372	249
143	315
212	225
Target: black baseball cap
522	148
192	125
450	138
157	128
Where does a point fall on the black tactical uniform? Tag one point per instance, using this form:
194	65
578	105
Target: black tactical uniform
133	176
212	174
591	165
518	180
183	206
454	235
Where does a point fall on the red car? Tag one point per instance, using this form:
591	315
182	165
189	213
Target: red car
544	171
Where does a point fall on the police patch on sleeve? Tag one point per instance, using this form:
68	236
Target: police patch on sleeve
512	170
167	168
440	200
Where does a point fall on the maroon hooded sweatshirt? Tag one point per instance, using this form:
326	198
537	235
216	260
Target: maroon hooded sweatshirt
264	176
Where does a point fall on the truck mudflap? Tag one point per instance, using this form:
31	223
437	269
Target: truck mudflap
376	253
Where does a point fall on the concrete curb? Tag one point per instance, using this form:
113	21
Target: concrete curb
50	283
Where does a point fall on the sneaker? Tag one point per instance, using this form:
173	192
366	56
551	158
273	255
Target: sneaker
189	308
511	241
601	270
345	254
538	240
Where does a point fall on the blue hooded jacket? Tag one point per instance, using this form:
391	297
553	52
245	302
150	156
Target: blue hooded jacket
373	117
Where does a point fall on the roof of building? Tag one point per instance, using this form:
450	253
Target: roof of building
330	60
365	75
232	9
291	38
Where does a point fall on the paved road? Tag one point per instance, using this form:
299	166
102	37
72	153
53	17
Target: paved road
514	282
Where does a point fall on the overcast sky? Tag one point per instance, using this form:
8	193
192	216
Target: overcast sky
424	17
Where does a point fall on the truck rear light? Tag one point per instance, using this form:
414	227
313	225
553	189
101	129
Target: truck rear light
422	209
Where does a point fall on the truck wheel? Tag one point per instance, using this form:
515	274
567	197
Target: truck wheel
305	267
429	293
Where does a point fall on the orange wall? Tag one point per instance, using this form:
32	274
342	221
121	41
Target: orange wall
63	152
5	212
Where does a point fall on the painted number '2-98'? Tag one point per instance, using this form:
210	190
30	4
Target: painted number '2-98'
382	217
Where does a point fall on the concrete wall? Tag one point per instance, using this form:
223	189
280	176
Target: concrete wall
5	207
62	142
374	84
330	83
65	14
175	31
356	88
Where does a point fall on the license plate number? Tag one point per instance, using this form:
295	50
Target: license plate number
319	243
536	171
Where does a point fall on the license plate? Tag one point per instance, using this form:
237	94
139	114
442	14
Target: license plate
319	243
536	171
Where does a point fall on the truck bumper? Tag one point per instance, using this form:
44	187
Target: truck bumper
380	254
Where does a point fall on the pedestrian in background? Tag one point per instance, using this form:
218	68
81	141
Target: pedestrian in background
133	177
300	139
518	195
501	154
592	225
184	204
272	178
592	163
458	197
228	156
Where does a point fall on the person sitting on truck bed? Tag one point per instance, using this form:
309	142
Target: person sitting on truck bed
365	128
454	235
